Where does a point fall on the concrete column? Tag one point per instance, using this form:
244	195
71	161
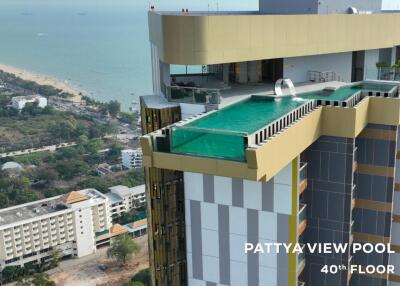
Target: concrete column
254	71
243	71
155	64
394	56
225	73
165	73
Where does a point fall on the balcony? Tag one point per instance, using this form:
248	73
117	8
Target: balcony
301	261
302	219
303	177
193	95
355	154
353	197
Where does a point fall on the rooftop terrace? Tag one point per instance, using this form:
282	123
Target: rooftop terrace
226	133
44	207
32	210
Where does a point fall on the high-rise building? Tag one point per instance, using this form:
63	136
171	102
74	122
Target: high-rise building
232	159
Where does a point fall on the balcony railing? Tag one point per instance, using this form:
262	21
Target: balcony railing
193	95
301	260
353	197
303	171
302	213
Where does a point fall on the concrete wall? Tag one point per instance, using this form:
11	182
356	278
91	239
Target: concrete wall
297	68
316	6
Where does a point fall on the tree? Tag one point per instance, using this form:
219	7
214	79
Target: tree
114	107
123	248
64	129
93	146
143	277
70	168
134	283
42	279
56	255
129	117
114	151
45	175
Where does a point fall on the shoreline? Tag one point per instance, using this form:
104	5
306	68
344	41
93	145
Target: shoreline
43	80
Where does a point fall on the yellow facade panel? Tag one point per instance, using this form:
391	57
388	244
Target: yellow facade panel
203	39
284	147
384	111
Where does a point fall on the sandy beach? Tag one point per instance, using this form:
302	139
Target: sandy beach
42	80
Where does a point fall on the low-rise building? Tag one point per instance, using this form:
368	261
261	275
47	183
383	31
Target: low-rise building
123	199
73	225
19	102
132	159
32	232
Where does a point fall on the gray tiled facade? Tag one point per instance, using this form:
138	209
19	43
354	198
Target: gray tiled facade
328	199
381	153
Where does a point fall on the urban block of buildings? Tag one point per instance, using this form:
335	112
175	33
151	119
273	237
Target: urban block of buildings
232	158
132	158
73	225
19	102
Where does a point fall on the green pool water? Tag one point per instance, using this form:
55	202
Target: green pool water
369	86
222	134
205	143
248	115
346	92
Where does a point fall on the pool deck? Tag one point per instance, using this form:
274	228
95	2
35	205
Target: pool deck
238	92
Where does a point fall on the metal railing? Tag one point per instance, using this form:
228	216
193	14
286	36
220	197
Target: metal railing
276	126
302	216
193	95
301	259
303	171
324	76
355	154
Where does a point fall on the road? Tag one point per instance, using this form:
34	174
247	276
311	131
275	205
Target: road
35	150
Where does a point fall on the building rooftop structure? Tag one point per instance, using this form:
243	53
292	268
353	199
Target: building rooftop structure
45	207
11	166
157	102
225	133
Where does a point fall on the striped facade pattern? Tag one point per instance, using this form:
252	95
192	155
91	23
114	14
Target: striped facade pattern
222	214
394	280
328	198
374	196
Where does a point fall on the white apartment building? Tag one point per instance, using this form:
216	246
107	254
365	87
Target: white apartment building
74	224
132	159
33	231
19	102
123	199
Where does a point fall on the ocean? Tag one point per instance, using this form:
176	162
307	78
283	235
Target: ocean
98	46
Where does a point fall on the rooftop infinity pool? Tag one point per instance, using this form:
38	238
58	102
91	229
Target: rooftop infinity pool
223	133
